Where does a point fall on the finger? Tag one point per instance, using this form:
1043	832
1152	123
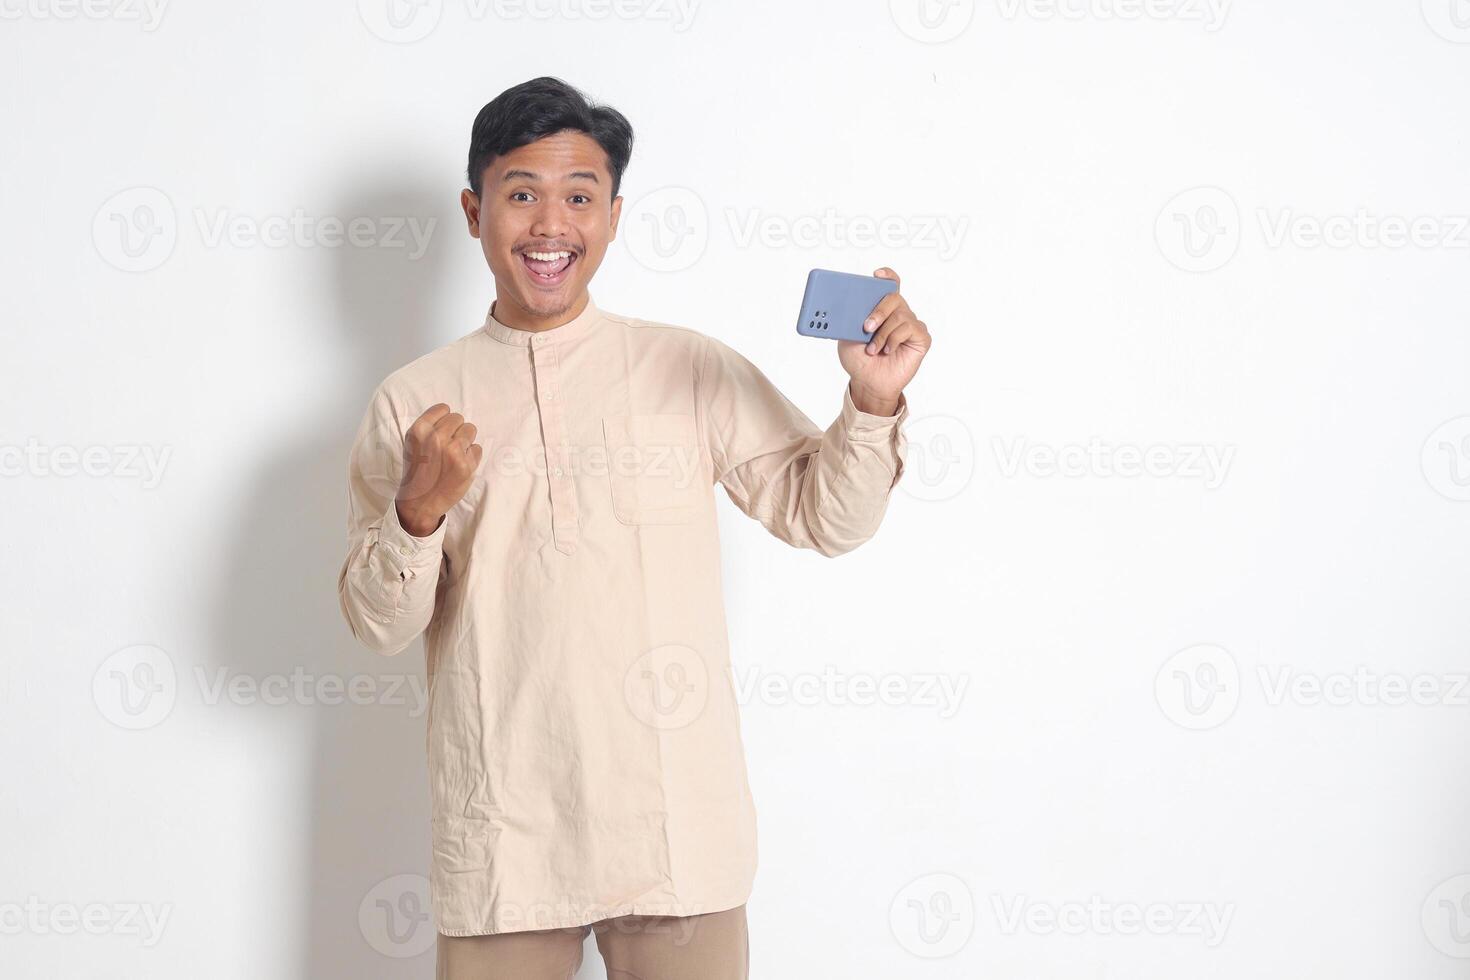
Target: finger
424	424
896	339
883	310
464	436
880	337
921	339
445	428
886	273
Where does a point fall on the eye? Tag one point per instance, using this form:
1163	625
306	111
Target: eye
581	199
521	196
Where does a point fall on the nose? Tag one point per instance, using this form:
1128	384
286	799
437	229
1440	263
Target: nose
549	220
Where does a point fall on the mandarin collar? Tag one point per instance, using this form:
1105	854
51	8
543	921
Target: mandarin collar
572	329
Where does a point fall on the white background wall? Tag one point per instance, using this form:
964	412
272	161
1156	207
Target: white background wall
1139	774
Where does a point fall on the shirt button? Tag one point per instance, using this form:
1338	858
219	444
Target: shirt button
405	550
557	471
550	395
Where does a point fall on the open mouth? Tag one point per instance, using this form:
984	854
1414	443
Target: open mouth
548	268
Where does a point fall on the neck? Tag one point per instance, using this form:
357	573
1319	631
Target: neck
513	314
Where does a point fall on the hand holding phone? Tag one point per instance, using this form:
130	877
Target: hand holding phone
836	304
880	361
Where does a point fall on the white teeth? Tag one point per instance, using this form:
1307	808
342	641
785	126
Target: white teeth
548	256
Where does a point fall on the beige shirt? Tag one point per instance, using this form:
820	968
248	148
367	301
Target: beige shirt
584	748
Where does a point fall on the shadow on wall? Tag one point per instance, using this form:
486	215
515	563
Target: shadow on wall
358	877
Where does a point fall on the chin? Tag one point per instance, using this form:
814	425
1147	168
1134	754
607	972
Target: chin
546	304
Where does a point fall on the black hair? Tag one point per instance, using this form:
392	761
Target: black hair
531	110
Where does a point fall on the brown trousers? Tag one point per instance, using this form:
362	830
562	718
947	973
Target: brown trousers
714	946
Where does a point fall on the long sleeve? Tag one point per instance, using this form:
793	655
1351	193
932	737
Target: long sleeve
826	491
387	583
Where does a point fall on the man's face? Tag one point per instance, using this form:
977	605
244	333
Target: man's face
544	218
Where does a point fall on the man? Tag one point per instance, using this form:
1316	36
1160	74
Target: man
537	499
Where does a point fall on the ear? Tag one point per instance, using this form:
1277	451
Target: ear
617	210
471	205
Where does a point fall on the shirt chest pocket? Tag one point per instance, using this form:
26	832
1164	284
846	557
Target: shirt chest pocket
653	467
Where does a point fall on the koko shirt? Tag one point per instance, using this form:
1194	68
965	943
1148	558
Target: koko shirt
584	747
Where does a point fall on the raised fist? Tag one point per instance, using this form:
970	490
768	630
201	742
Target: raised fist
440	458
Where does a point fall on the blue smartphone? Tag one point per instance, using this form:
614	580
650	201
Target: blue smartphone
836	304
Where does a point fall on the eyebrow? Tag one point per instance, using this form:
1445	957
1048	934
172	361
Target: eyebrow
527	175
